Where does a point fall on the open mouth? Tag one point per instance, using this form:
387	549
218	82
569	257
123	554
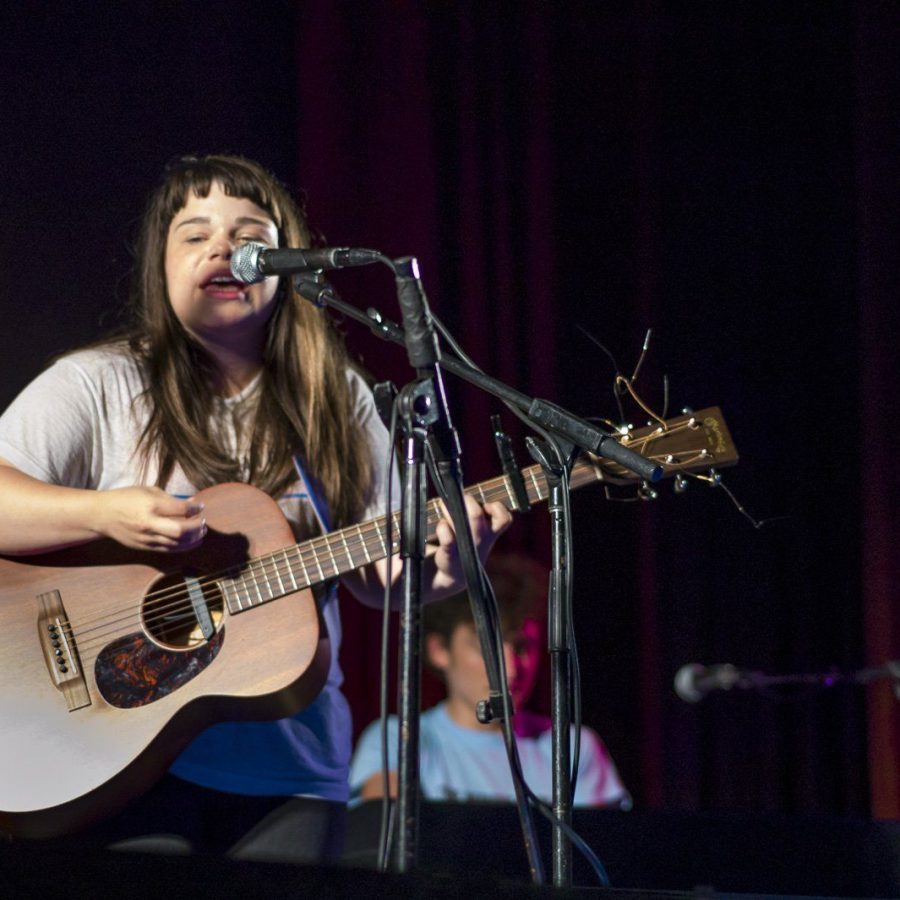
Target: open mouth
224	286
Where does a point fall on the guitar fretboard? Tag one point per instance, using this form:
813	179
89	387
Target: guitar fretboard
299	566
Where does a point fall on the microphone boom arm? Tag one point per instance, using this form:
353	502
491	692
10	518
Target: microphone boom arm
583	434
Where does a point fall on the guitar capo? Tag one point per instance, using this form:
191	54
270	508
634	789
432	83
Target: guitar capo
510	467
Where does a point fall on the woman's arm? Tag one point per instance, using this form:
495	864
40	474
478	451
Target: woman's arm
36	516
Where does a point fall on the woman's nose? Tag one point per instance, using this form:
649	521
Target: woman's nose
221	246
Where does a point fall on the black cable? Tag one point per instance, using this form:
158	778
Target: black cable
386	829
521	790
575	670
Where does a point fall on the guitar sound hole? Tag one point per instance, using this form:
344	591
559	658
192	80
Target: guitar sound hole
173	610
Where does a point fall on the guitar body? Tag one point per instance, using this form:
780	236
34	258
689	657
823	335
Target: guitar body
102	684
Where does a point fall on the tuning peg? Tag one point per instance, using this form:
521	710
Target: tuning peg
645	492
687	410
712	478
681	483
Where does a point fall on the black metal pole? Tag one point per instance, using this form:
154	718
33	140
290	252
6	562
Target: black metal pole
553	461
560	693
412	543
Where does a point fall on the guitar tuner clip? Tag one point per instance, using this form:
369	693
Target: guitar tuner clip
519	493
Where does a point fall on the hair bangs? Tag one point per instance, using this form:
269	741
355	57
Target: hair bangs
238	178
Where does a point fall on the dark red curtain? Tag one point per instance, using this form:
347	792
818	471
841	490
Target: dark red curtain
878	152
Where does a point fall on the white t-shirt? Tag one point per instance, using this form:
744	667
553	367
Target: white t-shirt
457	763
78	424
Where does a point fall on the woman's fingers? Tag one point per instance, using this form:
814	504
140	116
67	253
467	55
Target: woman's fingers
145	518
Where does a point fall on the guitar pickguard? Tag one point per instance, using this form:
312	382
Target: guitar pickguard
133	671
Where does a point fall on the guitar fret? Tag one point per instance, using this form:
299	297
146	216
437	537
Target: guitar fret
379	538
277	576
395	531
232	588
347	549
290	568
267	591
302	562
241	584
365	546
495	490
334	564
537	487
237	604
262	580
246	588
252	574
316	560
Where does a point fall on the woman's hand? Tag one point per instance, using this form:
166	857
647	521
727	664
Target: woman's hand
487	522
147	518
442	575
36	517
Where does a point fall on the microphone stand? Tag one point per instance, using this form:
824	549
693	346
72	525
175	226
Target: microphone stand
762	682
442	442
427	423
556	472
415	416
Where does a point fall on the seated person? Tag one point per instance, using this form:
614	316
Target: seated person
461	759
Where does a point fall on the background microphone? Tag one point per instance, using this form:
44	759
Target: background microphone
693	681
252	262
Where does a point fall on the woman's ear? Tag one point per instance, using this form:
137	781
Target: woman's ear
436	651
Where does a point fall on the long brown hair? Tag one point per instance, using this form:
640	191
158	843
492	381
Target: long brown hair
305	403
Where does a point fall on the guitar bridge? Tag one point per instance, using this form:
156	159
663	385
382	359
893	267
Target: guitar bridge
60	652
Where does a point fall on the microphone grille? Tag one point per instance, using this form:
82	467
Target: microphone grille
245	263
685	683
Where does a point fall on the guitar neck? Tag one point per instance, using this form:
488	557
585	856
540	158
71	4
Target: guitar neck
682	444
338	552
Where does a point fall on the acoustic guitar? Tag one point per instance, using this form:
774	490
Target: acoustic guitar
112	660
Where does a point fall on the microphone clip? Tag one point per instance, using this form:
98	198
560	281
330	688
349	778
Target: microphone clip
518	493
312	286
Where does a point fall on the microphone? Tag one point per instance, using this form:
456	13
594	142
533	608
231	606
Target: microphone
252	262
693	681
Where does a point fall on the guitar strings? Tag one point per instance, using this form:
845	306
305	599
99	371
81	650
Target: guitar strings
180	608
368	536
173	605
258	571
168	601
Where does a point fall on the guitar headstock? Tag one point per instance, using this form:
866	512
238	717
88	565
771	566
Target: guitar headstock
692	442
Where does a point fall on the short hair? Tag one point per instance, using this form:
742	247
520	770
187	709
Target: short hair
520	587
